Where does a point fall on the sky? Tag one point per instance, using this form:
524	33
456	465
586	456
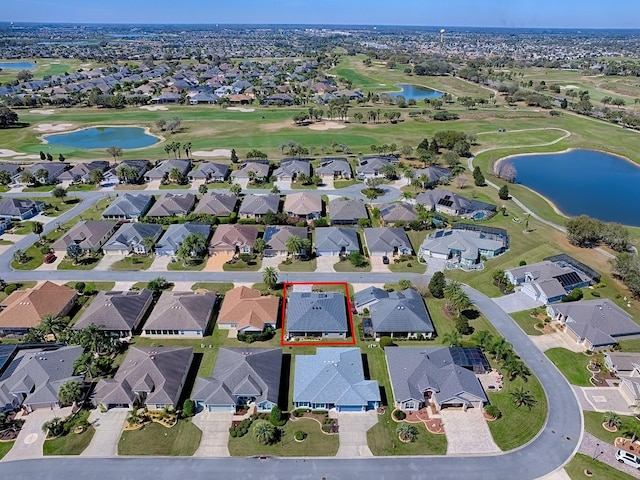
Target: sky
443	13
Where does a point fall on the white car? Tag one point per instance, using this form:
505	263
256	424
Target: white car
629	458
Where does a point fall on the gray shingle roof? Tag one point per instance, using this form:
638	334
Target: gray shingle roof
465	241
414	370
171	204
335	376
316	312
334	238
128	205
347	210
164	167
386	240
175	234
259	204
334	166
260	169
292	167
16	207
446	198
276	236
116	311
209	170
132	234
91	233
220	204
242	371
398	311
181	311
398	212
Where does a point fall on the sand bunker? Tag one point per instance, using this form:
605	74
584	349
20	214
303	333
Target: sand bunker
153	108
4	152
53	127
220	152
327	126
241	109
27	157
569	87
46	111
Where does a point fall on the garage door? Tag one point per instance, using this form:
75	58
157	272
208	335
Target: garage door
350	408
220	408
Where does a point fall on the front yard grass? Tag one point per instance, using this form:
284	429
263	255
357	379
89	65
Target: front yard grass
317	443
5	447
346	266
84	263
218	287
408	266
134	263
299	266
518	425
70	444
599	471
345	183
242	266
383	439
156	440
593	424
573	365
526	322
193	266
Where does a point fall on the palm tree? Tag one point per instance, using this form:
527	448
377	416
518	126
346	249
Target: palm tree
270	277
19	256
52	325
96	176
264	432
193	247
294	245
85	365
259	245
175	174
187	149
523	398
115	152
457	298
407	195
236	189
612	419
27	178
452	339
70	392
407	432
148	243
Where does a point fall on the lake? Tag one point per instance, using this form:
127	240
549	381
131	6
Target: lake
17	65
597	184
103	137
415	92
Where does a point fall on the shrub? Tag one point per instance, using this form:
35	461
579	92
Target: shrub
9	289
493	411
437	284
188	408
399	415
386	342
276	417
522	263
233	433
300	435
79	286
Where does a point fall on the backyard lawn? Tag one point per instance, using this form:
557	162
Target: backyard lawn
317	443
572	365
156	440
70	444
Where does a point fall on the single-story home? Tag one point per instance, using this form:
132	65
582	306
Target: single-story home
148	376
333	379
90	235
432	376
334	168
333	241
161	170
218	204
291	168
398	212
180	314
130	238
53	169
257	170
175	235
303	205
369	167
172	205
81	172
129	206
450	203
316	314
344	211
387	241
209	172
119	313
248	311
257	206
466	247
19	209
434	175
276	237
233	239
241	376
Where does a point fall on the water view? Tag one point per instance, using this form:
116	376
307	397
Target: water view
103	137
415	92
587	182
17	65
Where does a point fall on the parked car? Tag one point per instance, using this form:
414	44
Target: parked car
49	258
385	260
629	458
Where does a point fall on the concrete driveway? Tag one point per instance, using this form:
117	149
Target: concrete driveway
434	265
603	399
47	267
31	438
108	431
516	302
353	433
283	184
107	261
327	183
556	340
160	263
467	432
216	261
377	266
325	263
215	433
272	261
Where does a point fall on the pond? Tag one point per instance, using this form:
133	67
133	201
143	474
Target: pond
17	65
415	92
103	137
597	184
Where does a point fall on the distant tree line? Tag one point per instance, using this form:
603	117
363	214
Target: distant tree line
626	267
584	231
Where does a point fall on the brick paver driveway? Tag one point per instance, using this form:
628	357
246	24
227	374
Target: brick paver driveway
467	432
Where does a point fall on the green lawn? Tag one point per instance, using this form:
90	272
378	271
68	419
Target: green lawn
84	264
593	424
98	286
194	266
572	365
4	448
81	188
410	266
156	440
174	186
134	263
518	425
70	444
299	266
218	287
42	188
383	440
526	322
317	443
240	265
345	183
599	471
347	266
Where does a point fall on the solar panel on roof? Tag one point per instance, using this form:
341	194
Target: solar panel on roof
445	202
568	279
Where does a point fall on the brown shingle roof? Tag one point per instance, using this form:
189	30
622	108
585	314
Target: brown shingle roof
24	308
247	308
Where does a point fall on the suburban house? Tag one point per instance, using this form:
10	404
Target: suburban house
130	238
151	377
303	205
346	211
119	313
247	311
162	170
334	168
248	170
209	172
129	206
140	166
291	168
334	378
233	239
53	169
175	235
24	309
369	167
394	314
203	98
276	236
90	235
464	247
81	172
435	174
33	378
257	206
218	204
333	241
242	376
387	241
436	376
180	314
398	212
596	324
316	314
627	367
548	281
172	205
19	209
450	203
13	169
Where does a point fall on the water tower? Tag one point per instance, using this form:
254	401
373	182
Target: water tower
442	35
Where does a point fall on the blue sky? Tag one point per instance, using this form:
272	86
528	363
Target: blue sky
480	13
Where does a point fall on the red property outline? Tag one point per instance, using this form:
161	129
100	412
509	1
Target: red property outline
318	343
